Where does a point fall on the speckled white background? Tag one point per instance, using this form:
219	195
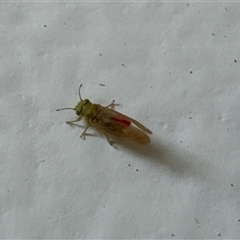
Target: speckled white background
172	66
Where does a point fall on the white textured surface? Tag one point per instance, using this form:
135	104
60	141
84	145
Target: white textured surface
172	66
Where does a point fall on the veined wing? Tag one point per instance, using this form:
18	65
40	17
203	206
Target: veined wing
121	118
115	124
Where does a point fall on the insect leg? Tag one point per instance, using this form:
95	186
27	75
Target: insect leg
109	140
84	132
77	120
111	104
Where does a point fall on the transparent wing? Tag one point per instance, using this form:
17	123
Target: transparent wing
120	116
115	124
135	135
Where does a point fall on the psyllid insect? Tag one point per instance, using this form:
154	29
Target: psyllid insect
109	122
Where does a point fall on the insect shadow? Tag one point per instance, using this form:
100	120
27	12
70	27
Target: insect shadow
162	154
158	153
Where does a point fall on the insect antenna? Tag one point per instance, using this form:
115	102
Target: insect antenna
64	109
79	92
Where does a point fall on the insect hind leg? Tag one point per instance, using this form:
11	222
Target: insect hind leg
111	142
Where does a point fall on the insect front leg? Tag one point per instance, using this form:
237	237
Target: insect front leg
84	132
77	120
112	104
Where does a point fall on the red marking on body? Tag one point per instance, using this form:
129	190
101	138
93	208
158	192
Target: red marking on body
122	121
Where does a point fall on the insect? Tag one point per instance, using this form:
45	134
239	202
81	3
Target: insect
109	122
